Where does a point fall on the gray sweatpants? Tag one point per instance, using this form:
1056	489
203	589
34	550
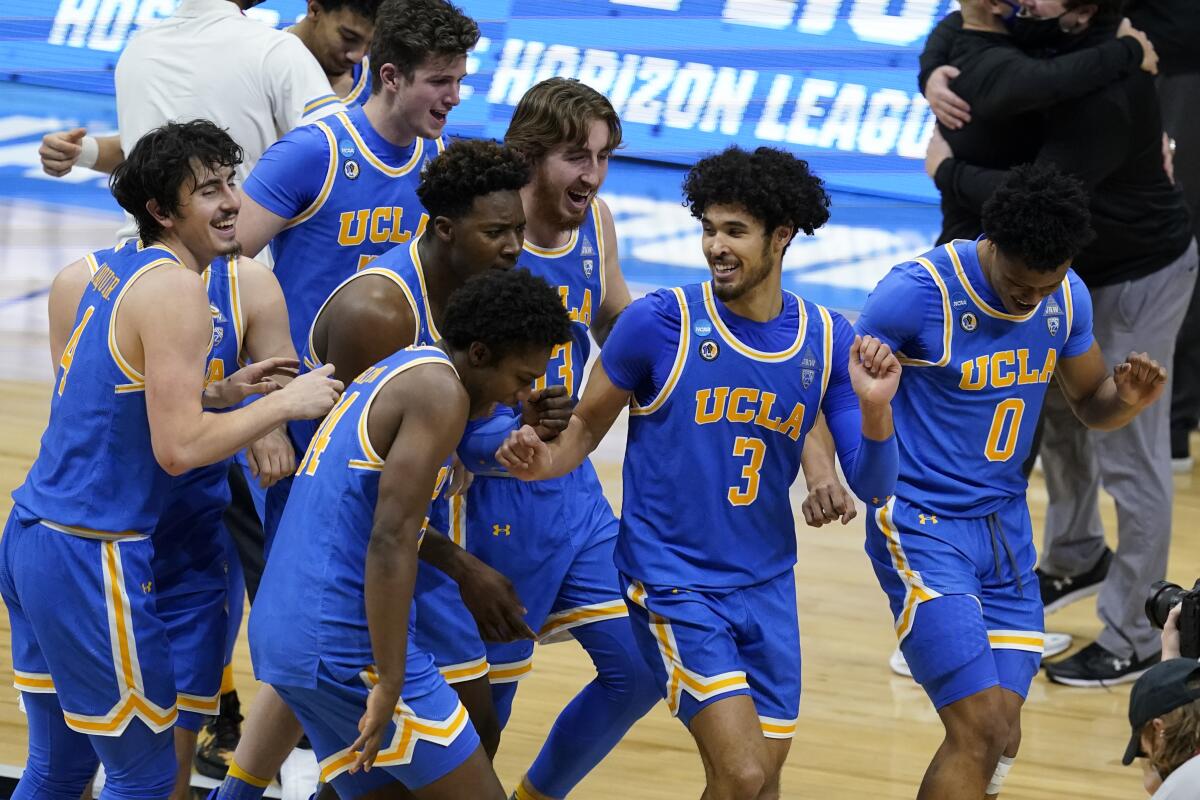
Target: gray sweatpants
1133	464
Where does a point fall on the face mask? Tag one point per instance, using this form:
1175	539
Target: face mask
1034	33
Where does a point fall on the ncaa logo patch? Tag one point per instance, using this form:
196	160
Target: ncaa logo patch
968	321
709	350
351	169
346	148
806	377
588	266
702	327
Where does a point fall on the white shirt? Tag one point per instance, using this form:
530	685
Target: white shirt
1182	784
209	61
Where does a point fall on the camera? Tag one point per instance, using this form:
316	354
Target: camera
1164	596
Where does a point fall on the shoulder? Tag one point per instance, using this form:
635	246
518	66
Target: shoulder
661	305
71	279
433	388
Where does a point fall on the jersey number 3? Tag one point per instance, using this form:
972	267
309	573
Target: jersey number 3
756	449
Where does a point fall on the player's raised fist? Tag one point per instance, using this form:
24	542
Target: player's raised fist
313	393
548	411
874	370
60	150
1139	379
524	454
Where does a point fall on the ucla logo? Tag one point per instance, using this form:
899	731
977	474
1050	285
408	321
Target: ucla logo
702	327
501	530
1052	325
350	168
709	350
588	266
806	377
968	321
346	148
587	249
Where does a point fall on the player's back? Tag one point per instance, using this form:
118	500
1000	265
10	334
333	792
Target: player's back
365	206
972	388
309	608
95	471
712	454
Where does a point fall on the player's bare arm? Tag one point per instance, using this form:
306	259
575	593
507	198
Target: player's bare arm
256	225
1107	400
527	457
616	293
164	328
365	322
414	426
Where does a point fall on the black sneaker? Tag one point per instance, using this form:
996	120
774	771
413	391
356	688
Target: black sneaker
219	738
1059	592
1095	666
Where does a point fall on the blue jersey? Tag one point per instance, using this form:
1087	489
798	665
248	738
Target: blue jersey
974	376
192	512
715	433
360	92
95	472
348	195
310	608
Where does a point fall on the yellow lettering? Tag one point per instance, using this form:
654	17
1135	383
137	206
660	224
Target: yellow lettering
364	260
794	424
312	458
719	396
1003	379
370	374
356	220
969	371
104	281
585	310
764	417
1026	377
216	371
736	412
1051	363
378	216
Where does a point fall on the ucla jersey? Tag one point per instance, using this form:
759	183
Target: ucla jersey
733	420
577	270
310	606
966	411
360	92
364	209
95	472
198	498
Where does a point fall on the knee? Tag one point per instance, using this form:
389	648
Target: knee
985	736
620	666
741	780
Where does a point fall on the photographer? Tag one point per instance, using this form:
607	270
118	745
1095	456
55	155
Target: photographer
1164	713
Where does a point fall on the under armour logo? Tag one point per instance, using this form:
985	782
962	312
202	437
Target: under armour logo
498	529
147	587
931	518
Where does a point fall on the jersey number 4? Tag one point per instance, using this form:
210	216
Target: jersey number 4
68	355
756	449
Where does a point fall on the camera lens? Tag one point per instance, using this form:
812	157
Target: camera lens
1163	596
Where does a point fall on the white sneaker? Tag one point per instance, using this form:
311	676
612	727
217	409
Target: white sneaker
299	775
1182	466
1054	644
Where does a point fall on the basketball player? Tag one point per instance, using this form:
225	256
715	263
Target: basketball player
331	630
338	34
983	326
126	416
723	380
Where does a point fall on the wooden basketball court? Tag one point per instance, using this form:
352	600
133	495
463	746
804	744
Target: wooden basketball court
863	731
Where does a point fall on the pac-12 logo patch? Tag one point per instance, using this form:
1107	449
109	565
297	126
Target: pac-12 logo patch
588	265
702	327
1052	325
709	350
968	321
218	335
807	376
351	169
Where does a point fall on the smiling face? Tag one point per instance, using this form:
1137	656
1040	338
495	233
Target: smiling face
205	221
740	253
423	103
568	177
1019	287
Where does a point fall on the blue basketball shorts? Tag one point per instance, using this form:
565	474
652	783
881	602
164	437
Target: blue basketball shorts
963	595
429	737
84	625
706	645
445	629
554	540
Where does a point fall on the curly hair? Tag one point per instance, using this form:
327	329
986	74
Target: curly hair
556	111
774	186
407	32
469	168
1039	217
506	310
162	162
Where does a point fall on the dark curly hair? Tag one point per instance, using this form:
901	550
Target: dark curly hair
162	162
1039	217
558	111
364	8
773	185
469	168
506	310
407	32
